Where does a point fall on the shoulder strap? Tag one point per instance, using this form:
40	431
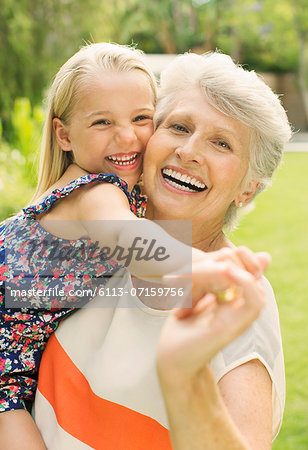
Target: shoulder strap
47	202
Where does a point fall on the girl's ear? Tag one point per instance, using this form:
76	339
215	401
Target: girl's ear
243	198
62	135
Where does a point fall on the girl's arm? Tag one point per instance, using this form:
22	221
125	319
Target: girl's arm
18	431
145	248
139	244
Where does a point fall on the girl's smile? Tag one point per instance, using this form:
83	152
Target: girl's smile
110	125
124	161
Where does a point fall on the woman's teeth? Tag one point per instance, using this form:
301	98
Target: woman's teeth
123	160
183	182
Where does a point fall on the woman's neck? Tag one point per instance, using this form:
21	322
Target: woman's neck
210	242
207	236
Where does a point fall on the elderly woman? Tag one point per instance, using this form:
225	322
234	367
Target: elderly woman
220	133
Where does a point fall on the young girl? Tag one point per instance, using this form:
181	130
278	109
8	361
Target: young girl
99	121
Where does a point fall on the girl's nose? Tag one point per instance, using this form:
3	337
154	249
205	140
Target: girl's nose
125	135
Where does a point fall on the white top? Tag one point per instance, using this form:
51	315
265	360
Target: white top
111	351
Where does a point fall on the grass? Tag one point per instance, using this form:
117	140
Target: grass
279	224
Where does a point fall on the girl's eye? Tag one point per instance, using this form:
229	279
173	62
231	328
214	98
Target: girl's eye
101	122
179	128
141	117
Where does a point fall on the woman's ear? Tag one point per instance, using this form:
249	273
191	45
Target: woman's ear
243	198
62	135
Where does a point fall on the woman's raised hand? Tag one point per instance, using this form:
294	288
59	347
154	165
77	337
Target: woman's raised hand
214	272
254	263
188	342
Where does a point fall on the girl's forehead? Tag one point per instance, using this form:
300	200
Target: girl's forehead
119	94
113	82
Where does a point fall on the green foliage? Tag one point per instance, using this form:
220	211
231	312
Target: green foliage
18	166
278	224
163	26
252	31
38	36
27	126
16	185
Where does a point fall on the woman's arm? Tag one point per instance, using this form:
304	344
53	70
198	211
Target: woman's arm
201	414
247	393
233	415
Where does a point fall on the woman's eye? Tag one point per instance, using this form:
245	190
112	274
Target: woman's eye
223	144
179	127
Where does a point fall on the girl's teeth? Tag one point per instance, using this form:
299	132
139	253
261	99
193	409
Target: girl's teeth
123	161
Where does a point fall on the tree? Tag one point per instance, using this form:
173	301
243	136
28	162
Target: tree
37	36
300	17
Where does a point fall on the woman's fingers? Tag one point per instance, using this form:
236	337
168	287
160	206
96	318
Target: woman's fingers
243	286
255	263
188	343
204	303
250	290
227	268
208	276
264	260
243	257
228	254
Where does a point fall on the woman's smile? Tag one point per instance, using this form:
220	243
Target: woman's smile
196	161
182	182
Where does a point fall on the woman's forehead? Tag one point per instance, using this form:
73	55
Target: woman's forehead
195	104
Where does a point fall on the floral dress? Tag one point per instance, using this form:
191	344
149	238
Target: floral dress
38	287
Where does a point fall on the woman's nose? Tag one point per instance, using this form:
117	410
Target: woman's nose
189	151
125	135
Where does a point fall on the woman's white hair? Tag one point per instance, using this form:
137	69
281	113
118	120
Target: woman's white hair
240	94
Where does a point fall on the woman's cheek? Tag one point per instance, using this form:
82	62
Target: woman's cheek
148	133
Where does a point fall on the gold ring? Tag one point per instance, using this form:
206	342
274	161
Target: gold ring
227	295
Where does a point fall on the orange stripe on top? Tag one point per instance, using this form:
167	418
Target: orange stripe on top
93	420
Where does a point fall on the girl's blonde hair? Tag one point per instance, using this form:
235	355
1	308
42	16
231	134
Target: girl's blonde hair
93	59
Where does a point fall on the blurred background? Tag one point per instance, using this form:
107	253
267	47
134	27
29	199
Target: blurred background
269	36
37	36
